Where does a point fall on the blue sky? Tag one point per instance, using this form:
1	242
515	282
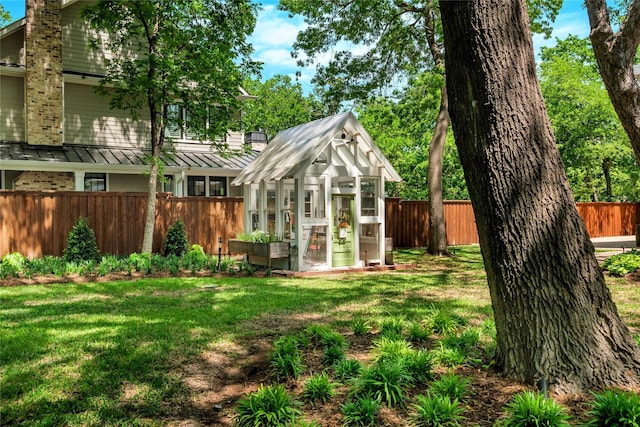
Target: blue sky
275	33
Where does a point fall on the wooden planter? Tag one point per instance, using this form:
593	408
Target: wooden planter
260	253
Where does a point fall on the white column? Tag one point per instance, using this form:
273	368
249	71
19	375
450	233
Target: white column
79	179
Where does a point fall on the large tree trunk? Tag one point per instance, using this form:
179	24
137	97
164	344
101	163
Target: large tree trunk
150	218
437	244
554	315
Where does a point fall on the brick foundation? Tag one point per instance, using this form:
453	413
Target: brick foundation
36	180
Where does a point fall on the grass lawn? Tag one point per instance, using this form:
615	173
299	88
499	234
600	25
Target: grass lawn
115	353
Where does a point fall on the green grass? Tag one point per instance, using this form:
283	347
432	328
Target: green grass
112	353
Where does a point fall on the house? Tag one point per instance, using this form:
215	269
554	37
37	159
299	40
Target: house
320	186
57	133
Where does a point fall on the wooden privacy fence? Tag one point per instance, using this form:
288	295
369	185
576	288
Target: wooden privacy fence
38	223
408	221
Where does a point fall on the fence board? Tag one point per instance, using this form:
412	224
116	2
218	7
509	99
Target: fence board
38	223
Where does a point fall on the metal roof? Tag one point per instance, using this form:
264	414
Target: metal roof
133	157
294	149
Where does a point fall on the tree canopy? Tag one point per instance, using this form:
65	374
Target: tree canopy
595	150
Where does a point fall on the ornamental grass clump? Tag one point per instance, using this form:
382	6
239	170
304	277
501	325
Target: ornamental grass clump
385	381
529	409
454	386
436	411
392	327
615	408
360	412
347	369
286	359
268	406
319	388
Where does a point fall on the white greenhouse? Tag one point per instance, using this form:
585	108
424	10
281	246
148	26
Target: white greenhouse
320	187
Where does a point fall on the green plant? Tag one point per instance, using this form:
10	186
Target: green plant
248	268
624	263
347	369
176	243
393	326
334	339
442	322
418	364
173	263
110	264
319	387
529	409
360	326
158	262
316	332
615	408
436	411
384	381
81	243
139	262
286	359
227	264
268	406
12	264
390	348
195	259
446	356
451	385
360	412
259	236
332	355
418	333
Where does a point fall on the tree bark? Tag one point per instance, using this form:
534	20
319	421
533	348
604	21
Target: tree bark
554	315
615	53
437	243
150	218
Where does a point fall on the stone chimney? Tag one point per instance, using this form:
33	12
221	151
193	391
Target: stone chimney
43	79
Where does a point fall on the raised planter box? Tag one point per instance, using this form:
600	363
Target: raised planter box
260	253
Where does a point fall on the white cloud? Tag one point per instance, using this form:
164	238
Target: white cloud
275	28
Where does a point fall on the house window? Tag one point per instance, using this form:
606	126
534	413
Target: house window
217	186
196	186
168	184
190	125
95	182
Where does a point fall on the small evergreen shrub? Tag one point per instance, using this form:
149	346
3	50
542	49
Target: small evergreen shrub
195	259
454	386
615	408
529	409
268	406
360	412
81	243
436	411
319	388
624	263
176	243
347	369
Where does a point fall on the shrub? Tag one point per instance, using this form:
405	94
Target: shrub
436	411
81	243
227	264
347	369
451	385
195	259
615	408
529	409
360	412
269	406
158	262
176	243
319	387
624	263
12	264
139	262
110	264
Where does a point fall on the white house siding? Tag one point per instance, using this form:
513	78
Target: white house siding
235	140
12	48
76	33
12	126
89	120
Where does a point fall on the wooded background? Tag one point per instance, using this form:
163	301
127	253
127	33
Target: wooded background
38	223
